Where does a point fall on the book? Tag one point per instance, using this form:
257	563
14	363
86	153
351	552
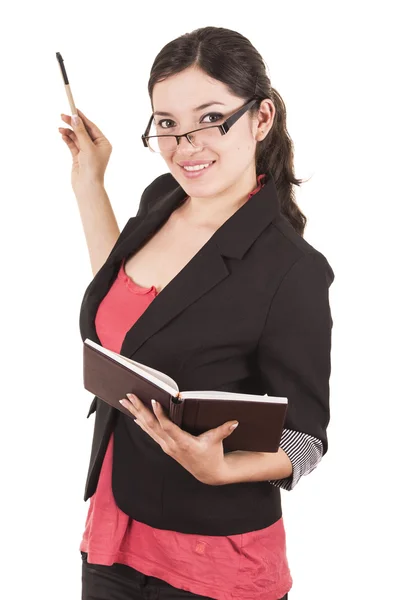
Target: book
110	376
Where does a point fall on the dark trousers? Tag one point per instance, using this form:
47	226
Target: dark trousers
121	582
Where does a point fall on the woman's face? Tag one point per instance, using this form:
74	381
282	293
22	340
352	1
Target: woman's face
233	154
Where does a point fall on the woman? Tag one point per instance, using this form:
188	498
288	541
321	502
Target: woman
212	283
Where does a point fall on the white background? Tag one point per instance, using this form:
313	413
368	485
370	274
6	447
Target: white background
332	62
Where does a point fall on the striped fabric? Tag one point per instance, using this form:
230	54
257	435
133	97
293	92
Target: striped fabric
304	452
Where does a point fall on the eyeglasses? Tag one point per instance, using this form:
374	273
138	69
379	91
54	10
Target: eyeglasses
199	138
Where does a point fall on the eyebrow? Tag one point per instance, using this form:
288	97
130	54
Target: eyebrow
201	107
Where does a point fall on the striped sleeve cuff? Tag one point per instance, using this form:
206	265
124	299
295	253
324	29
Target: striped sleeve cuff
304	452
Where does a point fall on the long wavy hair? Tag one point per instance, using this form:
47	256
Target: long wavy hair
230	57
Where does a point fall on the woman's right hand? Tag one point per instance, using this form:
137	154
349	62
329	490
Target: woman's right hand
90	151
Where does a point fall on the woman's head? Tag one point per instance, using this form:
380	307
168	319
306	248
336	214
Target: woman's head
214	64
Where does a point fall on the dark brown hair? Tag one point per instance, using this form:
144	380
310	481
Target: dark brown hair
229	57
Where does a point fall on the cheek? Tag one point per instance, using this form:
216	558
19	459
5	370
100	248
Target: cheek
175	171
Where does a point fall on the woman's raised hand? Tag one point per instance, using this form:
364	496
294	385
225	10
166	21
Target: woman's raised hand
90	151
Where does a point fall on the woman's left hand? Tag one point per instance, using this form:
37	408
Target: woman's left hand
201	455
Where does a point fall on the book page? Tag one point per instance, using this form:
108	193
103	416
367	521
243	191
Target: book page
157	377
202	394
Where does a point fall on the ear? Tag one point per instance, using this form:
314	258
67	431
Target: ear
264	119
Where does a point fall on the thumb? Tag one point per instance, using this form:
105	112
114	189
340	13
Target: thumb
220	433
76	121
80	131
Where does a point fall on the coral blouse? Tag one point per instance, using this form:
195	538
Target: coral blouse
248	566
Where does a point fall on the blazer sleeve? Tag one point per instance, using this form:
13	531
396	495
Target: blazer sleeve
144	202
294	359
160	186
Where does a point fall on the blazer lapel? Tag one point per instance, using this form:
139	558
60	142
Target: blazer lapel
135	235
204	271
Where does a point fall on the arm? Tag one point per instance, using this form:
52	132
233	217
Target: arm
99	223
293	356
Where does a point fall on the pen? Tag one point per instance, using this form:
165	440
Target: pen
66	82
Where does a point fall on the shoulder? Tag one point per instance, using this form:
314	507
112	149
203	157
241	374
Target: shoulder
298	253
157	189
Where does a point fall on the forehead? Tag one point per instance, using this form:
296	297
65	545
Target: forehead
187	90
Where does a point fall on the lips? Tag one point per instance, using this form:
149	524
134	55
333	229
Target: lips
196	173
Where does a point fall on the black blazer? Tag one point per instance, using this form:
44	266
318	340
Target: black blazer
249	312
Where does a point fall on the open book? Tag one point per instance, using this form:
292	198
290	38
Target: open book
110	376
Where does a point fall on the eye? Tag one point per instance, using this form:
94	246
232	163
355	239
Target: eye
160	123
216	115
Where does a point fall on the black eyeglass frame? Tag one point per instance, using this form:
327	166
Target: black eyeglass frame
223	128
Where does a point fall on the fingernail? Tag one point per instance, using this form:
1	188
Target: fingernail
124	403
75	119
132	399
154	403
233	427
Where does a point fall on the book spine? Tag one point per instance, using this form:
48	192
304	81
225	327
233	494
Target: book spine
176	411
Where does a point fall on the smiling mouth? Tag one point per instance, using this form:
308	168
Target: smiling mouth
196	168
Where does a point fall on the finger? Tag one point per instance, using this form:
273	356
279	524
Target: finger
71	145
176	437
68	132
92	129
157	438
70	138
69	135
161	416
141	425
165	422
149	431
149	420
139	410
83	137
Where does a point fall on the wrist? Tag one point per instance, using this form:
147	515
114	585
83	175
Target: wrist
242	466
88	185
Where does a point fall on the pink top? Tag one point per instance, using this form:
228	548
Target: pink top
248	566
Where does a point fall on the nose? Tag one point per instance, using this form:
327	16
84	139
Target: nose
185	146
